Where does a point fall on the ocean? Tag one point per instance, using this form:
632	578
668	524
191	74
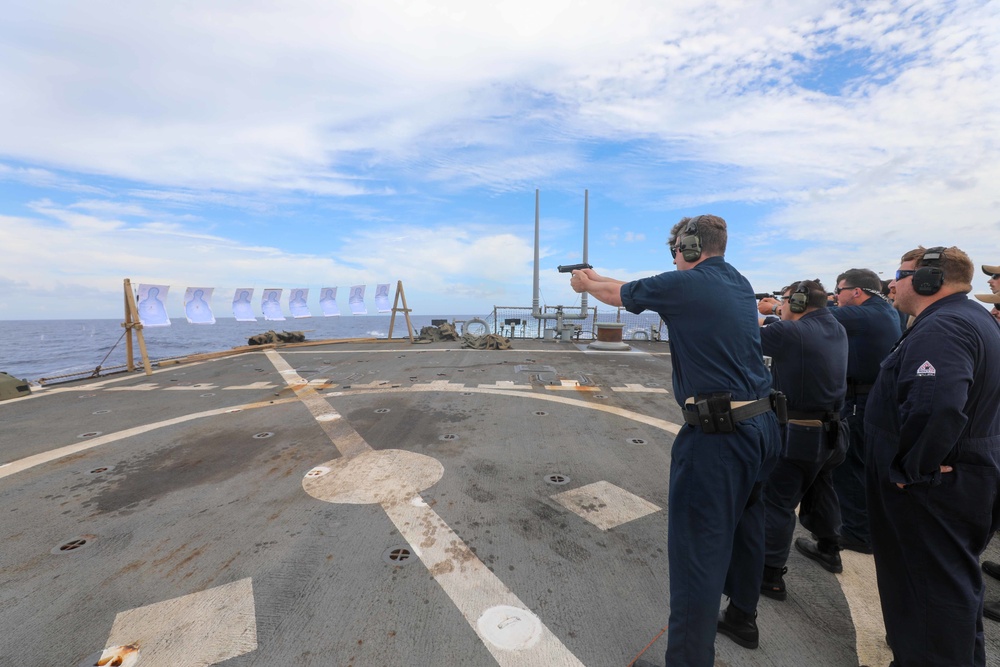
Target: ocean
47	349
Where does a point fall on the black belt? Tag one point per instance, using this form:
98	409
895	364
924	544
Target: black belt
821	415
746	411
858	389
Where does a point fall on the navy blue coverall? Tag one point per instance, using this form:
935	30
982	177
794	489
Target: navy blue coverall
809	365
715	535
872	330
935	403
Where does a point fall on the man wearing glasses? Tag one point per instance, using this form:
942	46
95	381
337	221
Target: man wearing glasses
991	610
722	455
872	327
932	432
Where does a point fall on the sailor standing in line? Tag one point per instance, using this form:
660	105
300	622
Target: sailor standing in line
932	431
719	460
808	348
991	610
872	328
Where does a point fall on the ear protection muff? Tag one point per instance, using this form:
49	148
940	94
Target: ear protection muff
798	300
929	278
688	241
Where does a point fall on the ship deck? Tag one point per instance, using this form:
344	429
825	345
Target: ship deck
373	505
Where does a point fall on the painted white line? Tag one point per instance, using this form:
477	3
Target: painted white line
638	388
38	459
505	384
202	628
192	387
440	385
145	386
476	591
252	385
859	585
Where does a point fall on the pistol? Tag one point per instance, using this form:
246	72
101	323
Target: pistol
570	268
764	295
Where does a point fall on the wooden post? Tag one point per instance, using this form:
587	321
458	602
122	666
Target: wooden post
131	323
404	310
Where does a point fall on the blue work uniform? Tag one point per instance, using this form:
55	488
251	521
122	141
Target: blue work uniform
809	365
715	536
872	330
935	403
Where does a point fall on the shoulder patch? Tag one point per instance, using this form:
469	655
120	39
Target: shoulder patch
926	369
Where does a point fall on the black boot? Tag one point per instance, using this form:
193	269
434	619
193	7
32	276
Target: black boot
826	555
739	626
773	585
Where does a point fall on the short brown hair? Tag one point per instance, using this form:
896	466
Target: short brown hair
711	231
816	291
955	264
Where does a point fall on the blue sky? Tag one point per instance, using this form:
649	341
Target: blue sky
308	144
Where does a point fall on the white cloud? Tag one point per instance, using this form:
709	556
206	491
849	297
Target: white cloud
214	132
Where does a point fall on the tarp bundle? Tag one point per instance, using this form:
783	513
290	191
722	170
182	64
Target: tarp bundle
272	337
487	342
437	334
446	332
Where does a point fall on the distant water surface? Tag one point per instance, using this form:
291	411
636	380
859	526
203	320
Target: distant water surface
48	348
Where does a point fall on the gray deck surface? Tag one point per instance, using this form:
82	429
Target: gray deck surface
205	538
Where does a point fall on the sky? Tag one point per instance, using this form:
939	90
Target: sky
317	143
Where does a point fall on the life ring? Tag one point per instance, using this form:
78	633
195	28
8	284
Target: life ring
475	320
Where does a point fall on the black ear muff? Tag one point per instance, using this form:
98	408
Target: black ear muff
689	243
798	301
929	278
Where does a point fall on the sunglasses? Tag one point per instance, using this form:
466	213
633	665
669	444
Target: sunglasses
904	273
838	290
995	276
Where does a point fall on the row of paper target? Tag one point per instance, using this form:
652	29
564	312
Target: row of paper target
198	303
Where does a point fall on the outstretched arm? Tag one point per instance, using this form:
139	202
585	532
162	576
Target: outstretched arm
604	289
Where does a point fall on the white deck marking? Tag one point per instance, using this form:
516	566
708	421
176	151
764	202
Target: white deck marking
51	455
640	389
197	630
505	384
192	387
570	385
252	385
145	386
393	478
439	385
858	583
604	504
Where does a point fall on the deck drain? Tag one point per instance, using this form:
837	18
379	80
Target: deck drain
398	555
466	393
382	411
448	436
636	441
557	479
208	394
74	544
100	412
318	471
262	435
98	470
599	396
541	413
90	434
234	410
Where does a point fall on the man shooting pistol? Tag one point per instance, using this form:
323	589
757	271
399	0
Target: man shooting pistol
570	268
